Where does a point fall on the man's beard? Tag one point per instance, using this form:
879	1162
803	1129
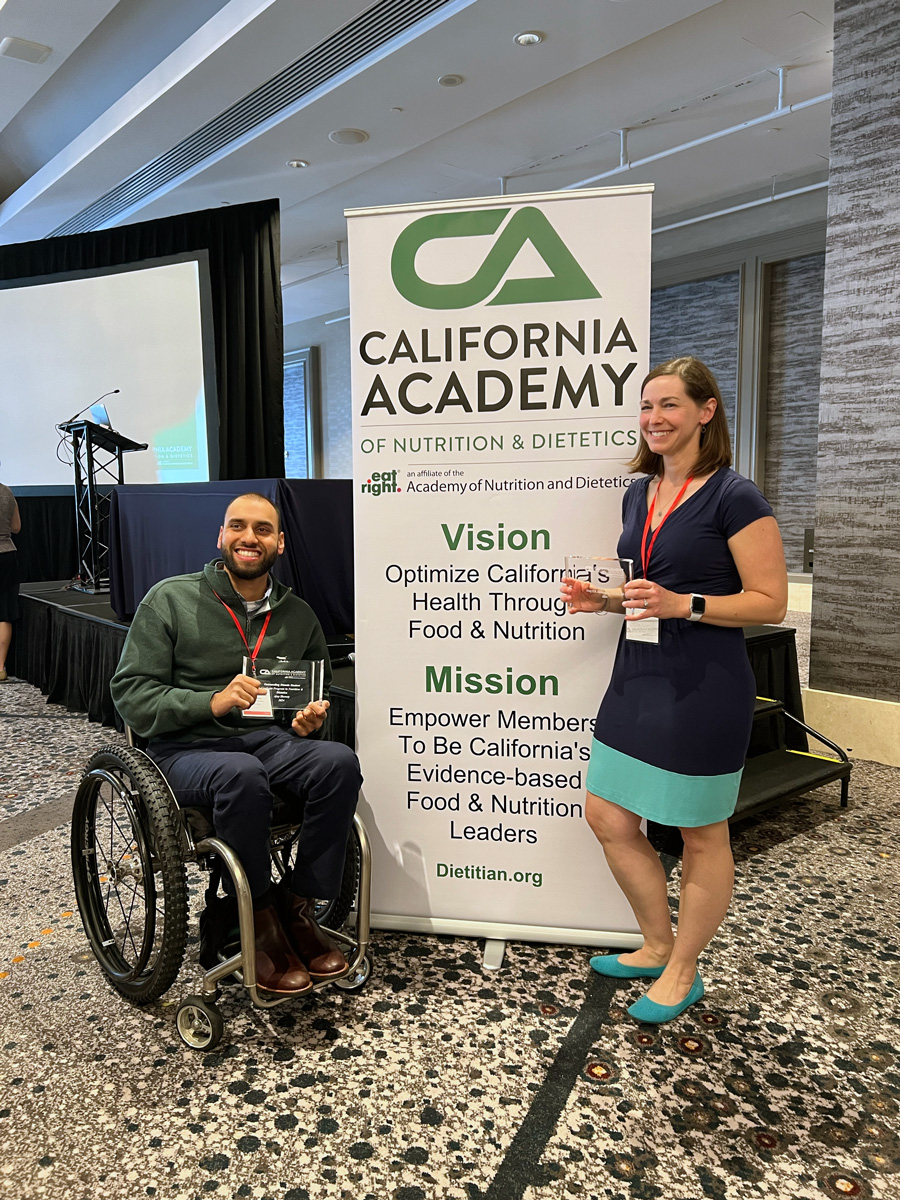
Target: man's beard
248	570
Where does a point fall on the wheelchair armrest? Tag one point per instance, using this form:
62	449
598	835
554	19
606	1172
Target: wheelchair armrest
134	739
199	822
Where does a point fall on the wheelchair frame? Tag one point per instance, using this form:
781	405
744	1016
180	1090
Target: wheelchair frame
130	845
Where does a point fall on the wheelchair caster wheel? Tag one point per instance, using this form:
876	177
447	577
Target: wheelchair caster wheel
356	980
199	1023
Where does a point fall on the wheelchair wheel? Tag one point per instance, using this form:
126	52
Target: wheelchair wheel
357	980
199	1023
129	873
333	913
330	913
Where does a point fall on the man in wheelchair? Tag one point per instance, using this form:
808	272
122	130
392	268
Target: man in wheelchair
178	685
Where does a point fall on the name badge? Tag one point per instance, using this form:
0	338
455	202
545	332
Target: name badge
646	630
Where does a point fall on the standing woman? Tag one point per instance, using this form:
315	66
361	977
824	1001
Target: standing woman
10	522
673	728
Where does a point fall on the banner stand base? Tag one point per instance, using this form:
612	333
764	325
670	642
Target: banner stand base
494	950
505	931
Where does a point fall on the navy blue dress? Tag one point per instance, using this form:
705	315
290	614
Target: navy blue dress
673	728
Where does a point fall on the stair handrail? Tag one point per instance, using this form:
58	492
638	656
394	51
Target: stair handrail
820	737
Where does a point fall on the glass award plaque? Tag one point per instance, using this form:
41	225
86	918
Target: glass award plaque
600	573
290	683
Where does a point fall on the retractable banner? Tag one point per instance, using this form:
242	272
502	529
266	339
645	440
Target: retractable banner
498	349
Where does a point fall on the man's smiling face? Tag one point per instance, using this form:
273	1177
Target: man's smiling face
250	539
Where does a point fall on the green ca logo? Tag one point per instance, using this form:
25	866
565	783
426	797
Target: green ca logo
567	280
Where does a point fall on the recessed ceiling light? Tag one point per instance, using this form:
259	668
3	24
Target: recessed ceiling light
450	80
298	162
531	37
32	52
348	137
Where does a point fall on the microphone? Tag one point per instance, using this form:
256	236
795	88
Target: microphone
88	407
347	661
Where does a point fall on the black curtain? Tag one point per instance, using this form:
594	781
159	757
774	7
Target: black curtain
243	245
47	546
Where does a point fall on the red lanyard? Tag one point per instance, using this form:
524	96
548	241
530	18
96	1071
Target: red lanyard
645	553
262	633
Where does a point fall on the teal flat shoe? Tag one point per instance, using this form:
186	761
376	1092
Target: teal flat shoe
609	965
651	1013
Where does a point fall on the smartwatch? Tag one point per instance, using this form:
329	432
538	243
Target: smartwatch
698	607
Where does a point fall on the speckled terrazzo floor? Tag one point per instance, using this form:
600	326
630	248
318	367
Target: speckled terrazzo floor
445	1080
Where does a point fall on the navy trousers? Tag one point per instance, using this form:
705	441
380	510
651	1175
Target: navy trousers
234	776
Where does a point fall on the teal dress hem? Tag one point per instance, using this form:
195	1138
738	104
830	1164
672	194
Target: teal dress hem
657	794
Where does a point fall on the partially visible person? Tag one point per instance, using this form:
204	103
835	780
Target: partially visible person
10	522
180	683
673	728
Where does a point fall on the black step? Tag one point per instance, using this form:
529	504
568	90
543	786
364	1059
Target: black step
767	779
783	774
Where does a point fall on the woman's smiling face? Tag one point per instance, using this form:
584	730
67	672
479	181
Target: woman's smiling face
670	420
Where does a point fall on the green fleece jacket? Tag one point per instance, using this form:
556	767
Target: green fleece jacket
183	647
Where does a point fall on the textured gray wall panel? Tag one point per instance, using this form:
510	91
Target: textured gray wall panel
795	353
855	639
700	318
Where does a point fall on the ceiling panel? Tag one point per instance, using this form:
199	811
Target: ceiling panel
62	27
530	119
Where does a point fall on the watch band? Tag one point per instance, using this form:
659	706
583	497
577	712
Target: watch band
698	607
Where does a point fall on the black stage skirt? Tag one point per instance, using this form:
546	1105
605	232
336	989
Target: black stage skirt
9	586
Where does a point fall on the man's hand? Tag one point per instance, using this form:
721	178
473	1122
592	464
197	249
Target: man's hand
311	718
240	693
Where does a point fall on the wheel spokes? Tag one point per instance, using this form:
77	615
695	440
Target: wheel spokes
128	872
128	897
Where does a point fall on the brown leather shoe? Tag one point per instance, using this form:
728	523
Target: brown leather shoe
321	955
278	969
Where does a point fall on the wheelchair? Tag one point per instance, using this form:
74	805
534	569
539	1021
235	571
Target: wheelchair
130	845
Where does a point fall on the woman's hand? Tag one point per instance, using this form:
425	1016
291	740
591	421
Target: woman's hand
581	597
646	599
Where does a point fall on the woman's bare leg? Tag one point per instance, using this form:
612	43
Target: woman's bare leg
5	639
707	881
637	870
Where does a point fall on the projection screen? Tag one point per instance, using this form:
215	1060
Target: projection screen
141	332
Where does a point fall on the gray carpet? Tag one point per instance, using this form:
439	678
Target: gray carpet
445	1080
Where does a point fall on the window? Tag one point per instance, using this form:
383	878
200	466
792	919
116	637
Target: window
302	422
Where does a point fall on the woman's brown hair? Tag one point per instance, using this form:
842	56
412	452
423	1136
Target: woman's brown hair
715	442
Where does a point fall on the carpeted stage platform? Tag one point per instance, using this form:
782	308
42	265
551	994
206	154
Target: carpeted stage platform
67	643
